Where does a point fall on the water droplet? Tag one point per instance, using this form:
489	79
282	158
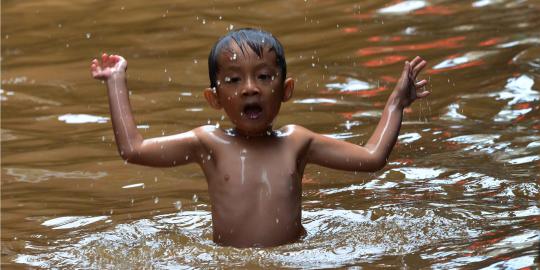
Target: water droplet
195	198
178	205
88	35
277	220
132	201
102	138
227	79
231	27
195	61
155	179
59	25
156	200
203	21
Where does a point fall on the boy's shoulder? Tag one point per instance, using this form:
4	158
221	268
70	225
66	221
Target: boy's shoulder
293	130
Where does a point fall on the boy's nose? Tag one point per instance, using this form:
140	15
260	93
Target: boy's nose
250	88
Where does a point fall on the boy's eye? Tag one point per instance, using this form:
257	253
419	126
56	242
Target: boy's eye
265	77
232	79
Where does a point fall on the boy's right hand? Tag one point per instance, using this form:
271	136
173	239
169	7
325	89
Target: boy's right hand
110	64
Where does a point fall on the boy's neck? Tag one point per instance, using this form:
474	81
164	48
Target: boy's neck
236	132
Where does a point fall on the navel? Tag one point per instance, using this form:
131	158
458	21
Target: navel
227	177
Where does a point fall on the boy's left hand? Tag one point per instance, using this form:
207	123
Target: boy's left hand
406	88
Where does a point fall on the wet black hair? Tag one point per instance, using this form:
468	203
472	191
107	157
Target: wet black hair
256	40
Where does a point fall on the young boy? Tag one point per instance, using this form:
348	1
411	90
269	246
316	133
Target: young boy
254	172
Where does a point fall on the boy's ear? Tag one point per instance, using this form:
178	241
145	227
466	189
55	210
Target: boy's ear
288	88
212	98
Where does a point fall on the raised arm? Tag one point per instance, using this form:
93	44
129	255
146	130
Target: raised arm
163	151
373	156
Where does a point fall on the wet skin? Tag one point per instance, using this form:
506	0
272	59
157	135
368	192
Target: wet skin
253	172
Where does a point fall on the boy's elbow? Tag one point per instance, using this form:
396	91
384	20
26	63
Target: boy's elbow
376	164
129	156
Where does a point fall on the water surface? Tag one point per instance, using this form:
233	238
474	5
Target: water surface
461	188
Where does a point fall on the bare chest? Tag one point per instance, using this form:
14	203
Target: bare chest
260	172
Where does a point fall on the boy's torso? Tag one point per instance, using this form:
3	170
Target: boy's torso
254	186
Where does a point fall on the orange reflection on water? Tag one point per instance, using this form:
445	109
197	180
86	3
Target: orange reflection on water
362	93
381	38
483	243
388	78
460	66
490	42
453	42
349	30
387	60
435	10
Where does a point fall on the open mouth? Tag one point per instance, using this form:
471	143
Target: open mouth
252	111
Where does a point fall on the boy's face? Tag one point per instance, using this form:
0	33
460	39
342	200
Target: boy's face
250	89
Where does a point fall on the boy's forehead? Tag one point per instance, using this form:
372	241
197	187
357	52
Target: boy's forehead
232	53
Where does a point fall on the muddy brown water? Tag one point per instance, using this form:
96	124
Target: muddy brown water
461	188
